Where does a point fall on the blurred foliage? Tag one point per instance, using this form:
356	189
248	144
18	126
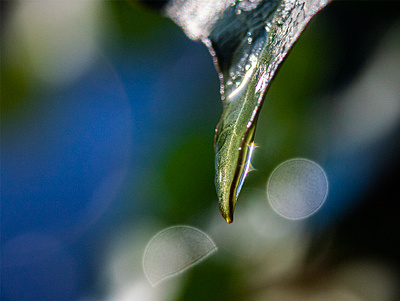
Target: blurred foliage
135	22
16	83
219	279
188	192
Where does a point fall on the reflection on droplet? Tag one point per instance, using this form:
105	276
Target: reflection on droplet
297	188
249	38
174	250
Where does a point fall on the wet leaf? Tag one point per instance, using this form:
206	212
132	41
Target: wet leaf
248	40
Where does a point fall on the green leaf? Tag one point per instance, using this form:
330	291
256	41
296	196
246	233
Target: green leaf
248	41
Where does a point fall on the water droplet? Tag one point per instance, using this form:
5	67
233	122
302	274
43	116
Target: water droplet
297	188
247	67
238	11
249	38
174	250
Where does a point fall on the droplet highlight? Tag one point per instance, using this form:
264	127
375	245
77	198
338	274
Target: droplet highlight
297	188
174	250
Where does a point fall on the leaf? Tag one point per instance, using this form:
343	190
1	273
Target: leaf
248	40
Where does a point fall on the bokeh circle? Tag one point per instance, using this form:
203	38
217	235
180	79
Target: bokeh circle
297	188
